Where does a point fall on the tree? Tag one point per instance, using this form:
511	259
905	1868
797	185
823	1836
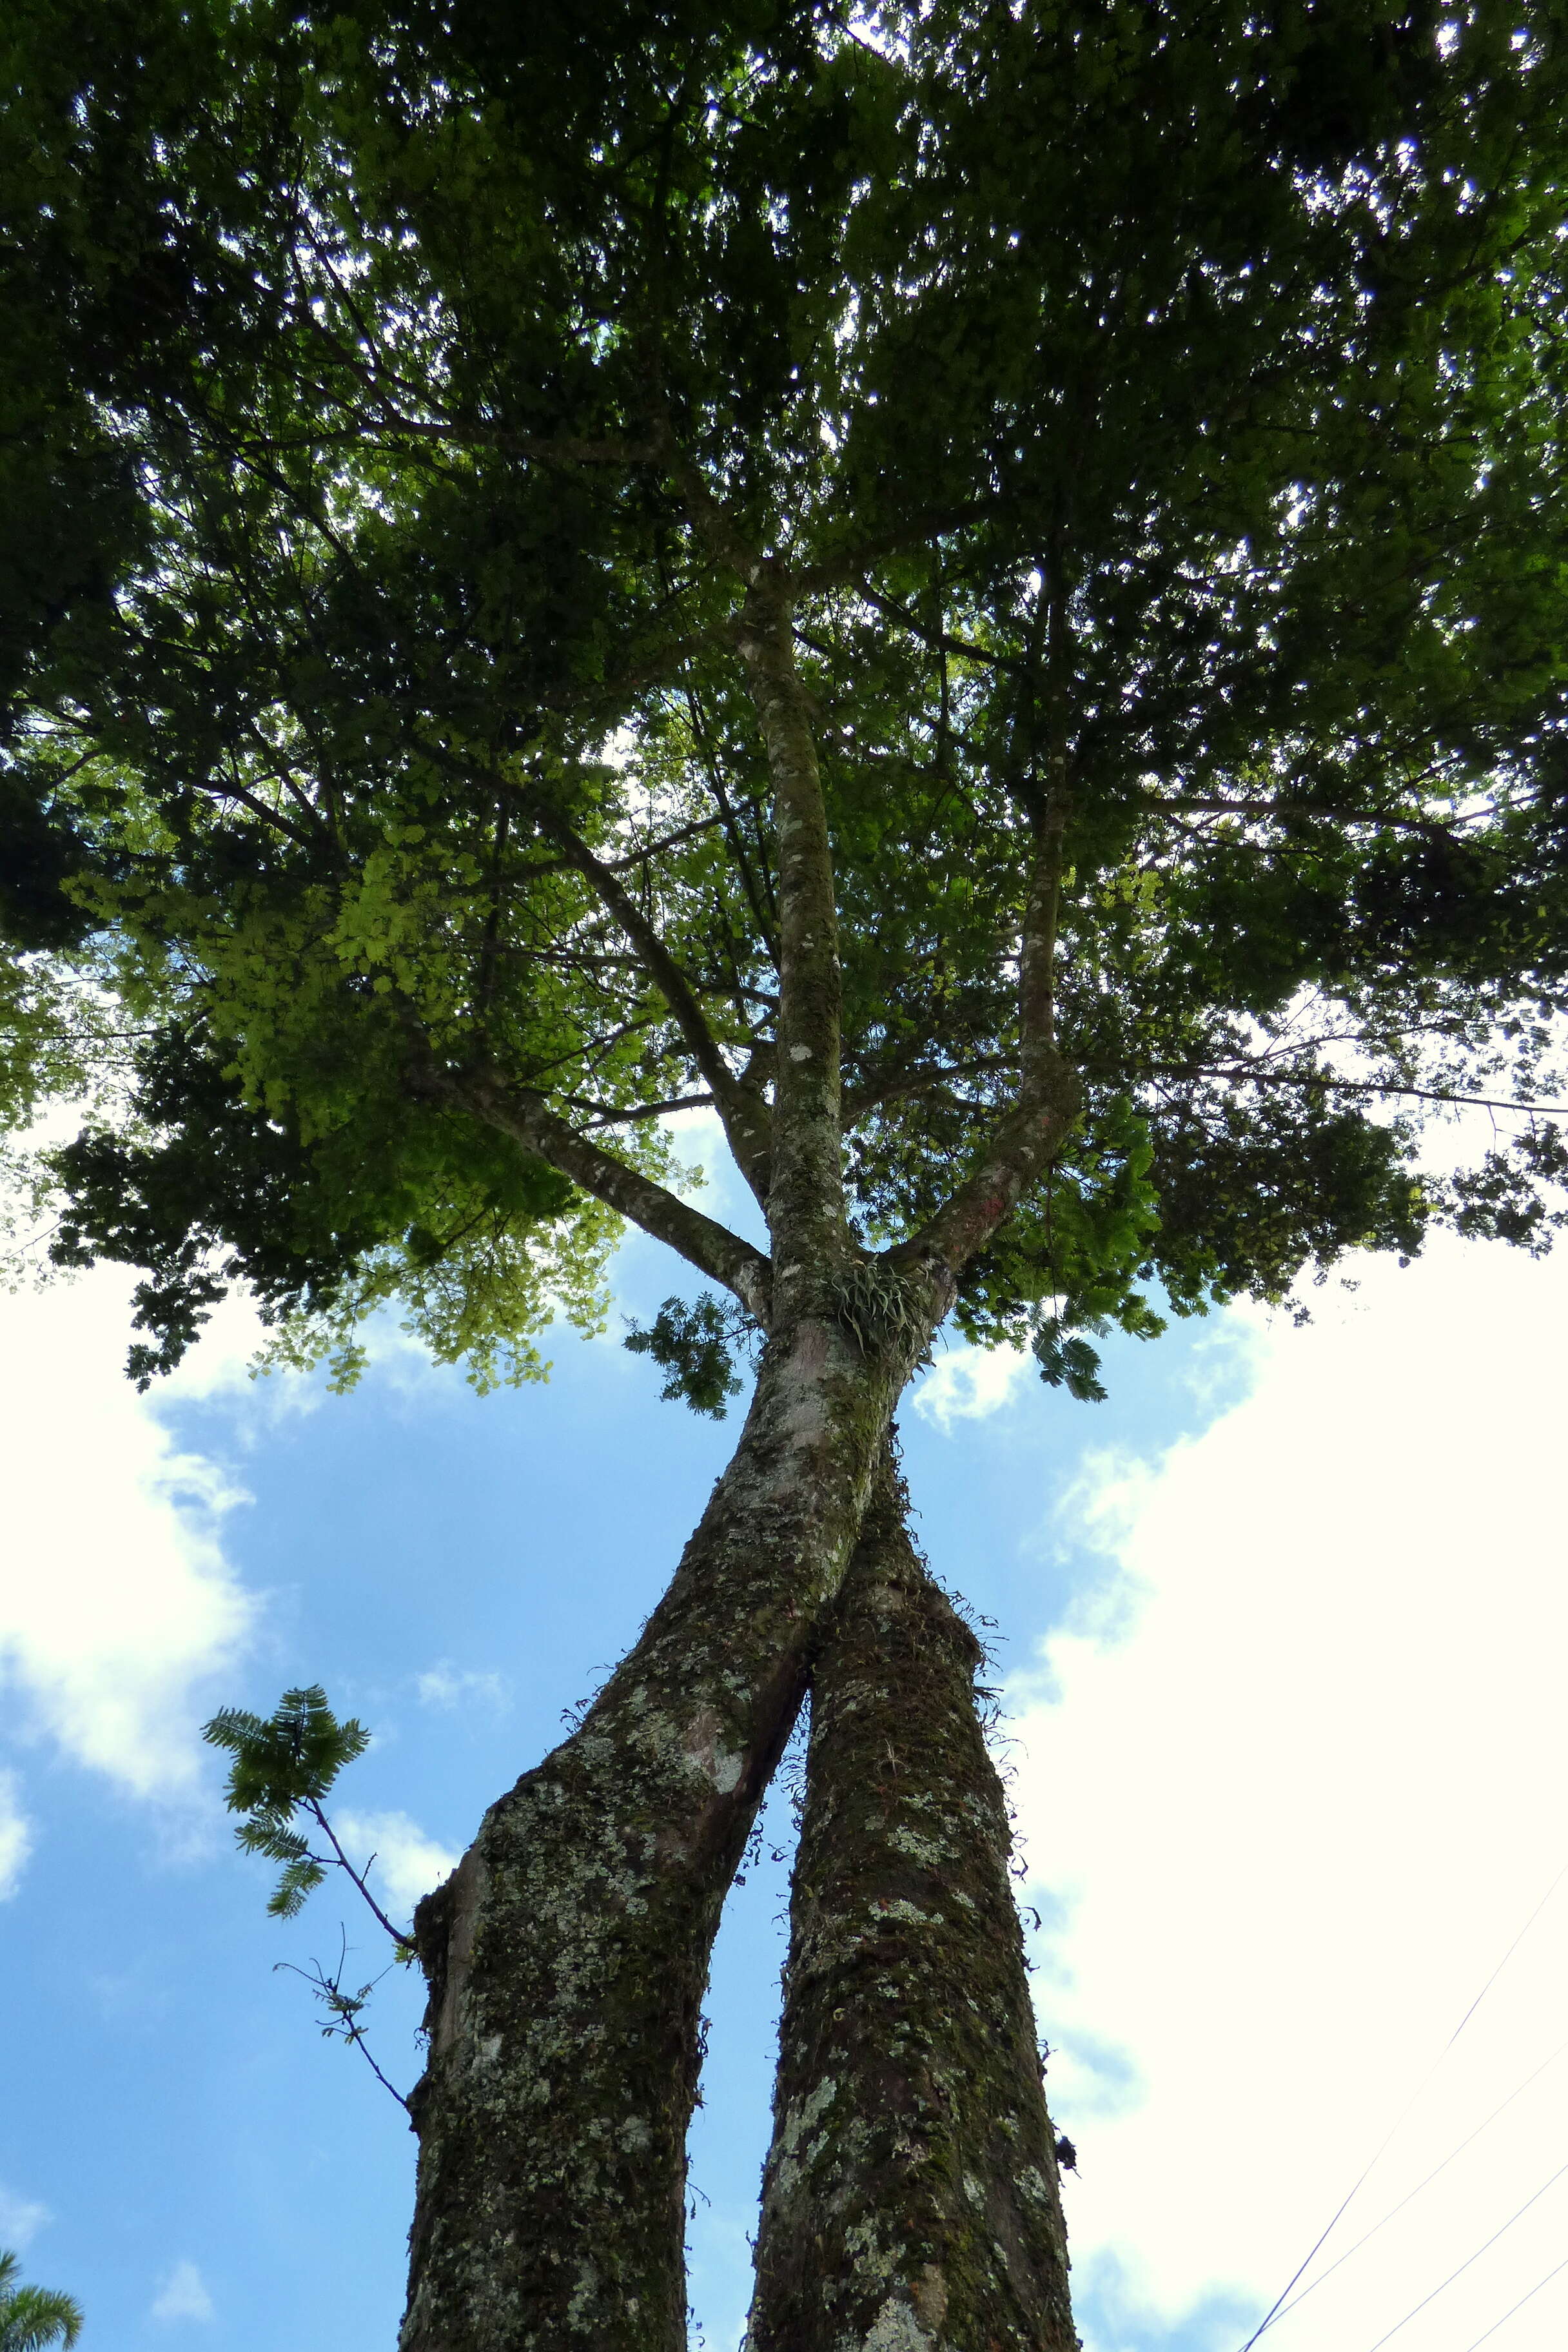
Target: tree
977	593
33	2317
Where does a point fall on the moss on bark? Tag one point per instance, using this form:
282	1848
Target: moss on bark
910	2199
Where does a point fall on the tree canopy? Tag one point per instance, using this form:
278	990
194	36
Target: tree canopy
1136	428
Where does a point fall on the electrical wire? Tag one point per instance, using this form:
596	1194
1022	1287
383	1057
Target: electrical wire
1275	2309
1465	2265
1420	2185
1523	2299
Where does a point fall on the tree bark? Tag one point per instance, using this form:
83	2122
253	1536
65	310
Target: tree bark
911	2201
568	1954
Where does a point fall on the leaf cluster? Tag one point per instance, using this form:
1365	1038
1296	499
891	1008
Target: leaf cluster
284	1765
694	1343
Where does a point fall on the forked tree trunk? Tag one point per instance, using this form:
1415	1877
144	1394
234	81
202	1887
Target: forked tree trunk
911	2201
568	1954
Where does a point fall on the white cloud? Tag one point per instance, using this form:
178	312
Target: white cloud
118	1608
969	1383
21	2218
1287	1795
16	1836
407	1863
444	1685
183	2295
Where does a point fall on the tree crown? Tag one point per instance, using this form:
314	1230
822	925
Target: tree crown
978	594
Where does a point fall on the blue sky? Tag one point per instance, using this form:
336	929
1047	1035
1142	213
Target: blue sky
1283	1627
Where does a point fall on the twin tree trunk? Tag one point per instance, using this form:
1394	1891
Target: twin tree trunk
568	1955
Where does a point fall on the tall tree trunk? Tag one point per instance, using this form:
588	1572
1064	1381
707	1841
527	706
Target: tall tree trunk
911	2201
568	1953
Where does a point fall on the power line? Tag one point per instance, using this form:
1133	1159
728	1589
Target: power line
1393	2209
1465	2265
1502	1964
1518	2306
1274	2311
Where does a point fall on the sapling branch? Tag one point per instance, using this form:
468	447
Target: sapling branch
284	1767
1250	1075
344	2010
402	1936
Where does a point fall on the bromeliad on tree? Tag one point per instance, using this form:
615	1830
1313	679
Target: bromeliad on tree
975	590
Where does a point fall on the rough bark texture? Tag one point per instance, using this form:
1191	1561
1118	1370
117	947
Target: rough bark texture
568	1954
912	2200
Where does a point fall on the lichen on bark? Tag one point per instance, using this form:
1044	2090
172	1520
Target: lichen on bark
912	2199
568	1955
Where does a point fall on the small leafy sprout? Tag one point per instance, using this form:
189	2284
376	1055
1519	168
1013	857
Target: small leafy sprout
282	1768
694	1347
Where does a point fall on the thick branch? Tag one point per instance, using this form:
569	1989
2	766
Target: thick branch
525	1115
1020	1151
806	1207
708	513
1049	1096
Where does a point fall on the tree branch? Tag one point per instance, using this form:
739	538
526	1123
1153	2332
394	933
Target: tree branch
526	1117
706	513
1249	1074
1049	1095
1402	820
861	1102
939	640
742	1111
744	1115
402	1936
1019	1154
608	1115
806	1207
